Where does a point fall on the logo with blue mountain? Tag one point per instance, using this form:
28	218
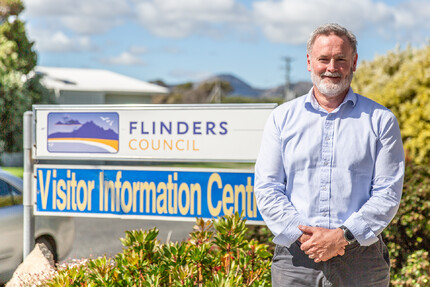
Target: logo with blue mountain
83	132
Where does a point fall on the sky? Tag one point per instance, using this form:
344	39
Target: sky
179	41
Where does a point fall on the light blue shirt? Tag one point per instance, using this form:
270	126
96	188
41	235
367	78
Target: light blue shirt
327	169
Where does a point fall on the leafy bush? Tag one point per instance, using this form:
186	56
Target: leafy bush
400	80
408	235
262	234
216	254
225	252
415	272
17	90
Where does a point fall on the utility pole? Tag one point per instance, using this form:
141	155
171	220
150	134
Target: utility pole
216	93
288	95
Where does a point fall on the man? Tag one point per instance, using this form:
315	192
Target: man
329	175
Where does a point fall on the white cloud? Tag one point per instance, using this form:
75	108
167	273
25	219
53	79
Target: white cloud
281	21
291	21
124	59
132	57
412	21
177	19
80	16
58	41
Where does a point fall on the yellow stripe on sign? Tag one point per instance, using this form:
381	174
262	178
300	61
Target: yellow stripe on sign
111	143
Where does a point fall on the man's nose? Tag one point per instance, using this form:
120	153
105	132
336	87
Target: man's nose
332	67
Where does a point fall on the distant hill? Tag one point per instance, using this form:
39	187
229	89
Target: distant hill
298	89
241	88
69	122
87	130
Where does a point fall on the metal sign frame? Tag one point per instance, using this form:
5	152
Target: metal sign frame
31	155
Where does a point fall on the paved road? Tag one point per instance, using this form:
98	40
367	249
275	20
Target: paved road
99	236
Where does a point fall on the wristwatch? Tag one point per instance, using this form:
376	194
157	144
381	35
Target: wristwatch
347	234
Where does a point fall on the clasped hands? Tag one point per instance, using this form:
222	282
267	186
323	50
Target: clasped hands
322	244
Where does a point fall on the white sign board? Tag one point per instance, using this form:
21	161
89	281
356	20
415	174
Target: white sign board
229	132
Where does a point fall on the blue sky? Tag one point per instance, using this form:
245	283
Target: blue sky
189	40
104	120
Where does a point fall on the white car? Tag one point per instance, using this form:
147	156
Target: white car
57	233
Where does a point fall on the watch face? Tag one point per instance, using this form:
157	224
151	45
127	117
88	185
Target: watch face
349	236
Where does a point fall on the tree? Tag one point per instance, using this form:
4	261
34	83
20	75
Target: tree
400	80
10	8
19	89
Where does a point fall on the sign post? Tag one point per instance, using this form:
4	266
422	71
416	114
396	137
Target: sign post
130	139
28	217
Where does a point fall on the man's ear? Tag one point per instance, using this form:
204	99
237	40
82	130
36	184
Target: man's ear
354	67
308	57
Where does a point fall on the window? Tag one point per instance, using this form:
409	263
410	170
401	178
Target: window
6	198
16	194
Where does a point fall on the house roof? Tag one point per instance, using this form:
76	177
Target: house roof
95	80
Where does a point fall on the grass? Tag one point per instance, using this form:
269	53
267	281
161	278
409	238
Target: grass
17	171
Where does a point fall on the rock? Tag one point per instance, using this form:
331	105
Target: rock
38	264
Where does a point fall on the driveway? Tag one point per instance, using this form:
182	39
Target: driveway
100	236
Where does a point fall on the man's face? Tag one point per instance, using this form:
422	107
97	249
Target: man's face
331	64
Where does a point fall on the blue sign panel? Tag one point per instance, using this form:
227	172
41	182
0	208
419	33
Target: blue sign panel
108	191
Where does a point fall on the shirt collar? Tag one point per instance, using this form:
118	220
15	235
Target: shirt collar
350	97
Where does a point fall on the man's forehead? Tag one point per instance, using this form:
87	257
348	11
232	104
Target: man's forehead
323	38
331	41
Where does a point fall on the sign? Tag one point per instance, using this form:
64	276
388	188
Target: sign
176	194
151	132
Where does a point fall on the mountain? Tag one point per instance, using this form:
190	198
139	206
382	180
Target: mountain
69	122
87	130
298	89
241	88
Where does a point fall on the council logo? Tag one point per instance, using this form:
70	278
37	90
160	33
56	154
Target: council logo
83	132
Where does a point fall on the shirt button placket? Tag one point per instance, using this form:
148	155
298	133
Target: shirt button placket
327	156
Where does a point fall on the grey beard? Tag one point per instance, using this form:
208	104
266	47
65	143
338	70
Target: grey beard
329	89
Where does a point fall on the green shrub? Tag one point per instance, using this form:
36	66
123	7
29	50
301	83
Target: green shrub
225	252
400	80
262	234
415	272
408	235
216	254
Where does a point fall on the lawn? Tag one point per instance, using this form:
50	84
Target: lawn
17	171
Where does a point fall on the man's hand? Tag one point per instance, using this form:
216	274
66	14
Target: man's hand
305	237
322	244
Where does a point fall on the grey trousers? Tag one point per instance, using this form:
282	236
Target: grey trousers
359	266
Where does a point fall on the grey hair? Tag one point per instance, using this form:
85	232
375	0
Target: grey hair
332	28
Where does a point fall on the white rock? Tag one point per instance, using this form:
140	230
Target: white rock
39	262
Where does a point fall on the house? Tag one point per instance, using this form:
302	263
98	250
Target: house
96	86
